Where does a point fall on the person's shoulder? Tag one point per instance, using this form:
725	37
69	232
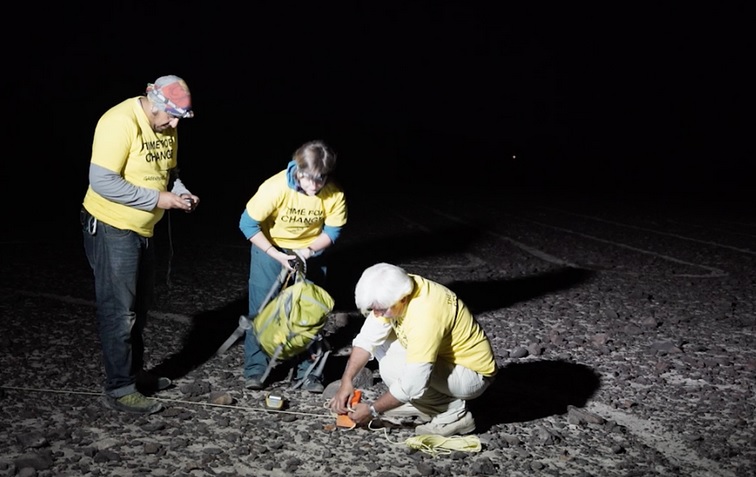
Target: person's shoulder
123	111
120	118
279	176
125	107
426	285
275	182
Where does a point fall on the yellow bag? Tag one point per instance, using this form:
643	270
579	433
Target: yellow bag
289	323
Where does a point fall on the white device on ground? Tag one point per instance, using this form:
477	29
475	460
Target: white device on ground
274	401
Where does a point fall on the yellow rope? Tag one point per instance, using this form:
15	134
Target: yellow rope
435	445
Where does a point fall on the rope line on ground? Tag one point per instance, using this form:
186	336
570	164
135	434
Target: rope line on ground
430	444
177	401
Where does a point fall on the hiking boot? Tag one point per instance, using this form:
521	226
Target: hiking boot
148	384
313	385
254	383
464	425
134	403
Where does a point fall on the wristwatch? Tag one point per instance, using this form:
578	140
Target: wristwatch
375	413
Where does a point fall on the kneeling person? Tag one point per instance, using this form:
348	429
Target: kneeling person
432	353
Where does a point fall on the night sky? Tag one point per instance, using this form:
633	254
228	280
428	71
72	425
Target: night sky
619	97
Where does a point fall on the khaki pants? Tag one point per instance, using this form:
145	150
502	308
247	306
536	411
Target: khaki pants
450	387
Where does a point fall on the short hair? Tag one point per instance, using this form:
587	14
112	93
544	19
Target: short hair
382	286
315	158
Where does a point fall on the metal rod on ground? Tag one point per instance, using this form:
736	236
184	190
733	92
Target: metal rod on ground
245	322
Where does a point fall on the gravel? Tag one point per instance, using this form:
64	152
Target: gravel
625	334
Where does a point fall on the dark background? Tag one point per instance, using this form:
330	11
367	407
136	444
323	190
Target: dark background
592	98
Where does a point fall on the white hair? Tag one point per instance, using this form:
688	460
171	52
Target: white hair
381	286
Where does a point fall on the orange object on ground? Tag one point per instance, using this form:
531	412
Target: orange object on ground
356	398
342	420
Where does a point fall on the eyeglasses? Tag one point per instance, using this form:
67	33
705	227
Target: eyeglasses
376	311
319	179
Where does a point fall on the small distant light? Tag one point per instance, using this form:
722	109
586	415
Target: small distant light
514	157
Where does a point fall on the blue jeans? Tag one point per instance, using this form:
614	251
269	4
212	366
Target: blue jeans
123	263
263	275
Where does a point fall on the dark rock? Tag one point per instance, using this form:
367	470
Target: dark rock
535	349
537	466
151	448
153	426
39	461
580	416
484	466
425	469
106	455
33	440
665	347
221	398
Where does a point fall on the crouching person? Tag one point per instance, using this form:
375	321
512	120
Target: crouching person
432	353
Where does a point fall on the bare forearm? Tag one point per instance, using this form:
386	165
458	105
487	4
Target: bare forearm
261	241
386	402
321	243
357	360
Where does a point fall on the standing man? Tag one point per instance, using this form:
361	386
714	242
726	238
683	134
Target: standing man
133	179
432	353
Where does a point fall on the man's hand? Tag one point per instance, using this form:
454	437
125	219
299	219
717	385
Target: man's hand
361	414
340	401
281	257
169	200
191	200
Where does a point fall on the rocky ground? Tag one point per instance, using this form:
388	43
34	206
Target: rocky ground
625	332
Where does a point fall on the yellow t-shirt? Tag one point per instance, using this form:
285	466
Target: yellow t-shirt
291	219
124	142
437	325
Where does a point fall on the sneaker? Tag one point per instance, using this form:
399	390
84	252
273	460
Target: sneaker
464	425
134	403
148	384
313	384
405	412
254	382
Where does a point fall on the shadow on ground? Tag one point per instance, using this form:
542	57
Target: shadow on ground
525	392
482	296
209	330
346	263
